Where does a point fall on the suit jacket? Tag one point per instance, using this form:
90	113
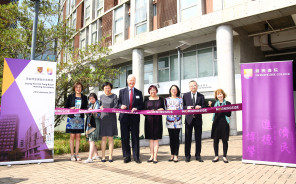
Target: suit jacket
71	103
187	101
137	103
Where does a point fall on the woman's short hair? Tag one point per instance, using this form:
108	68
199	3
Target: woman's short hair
93	95
107	84
220	91
178	90
77	84
152	86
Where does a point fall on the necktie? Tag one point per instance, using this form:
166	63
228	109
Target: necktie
131	99
193	102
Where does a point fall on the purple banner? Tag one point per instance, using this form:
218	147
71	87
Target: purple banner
226	108
268	113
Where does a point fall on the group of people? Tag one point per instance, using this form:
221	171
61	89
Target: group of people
104	125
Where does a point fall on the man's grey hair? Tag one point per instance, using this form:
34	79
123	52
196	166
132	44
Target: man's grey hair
193	81
130	76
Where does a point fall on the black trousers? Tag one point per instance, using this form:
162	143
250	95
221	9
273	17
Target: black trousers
216	147
174	140
133	128
197	124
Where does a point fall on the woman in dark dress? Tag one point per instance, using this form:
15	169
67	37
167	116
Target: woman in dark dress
75	122
220	127
153	123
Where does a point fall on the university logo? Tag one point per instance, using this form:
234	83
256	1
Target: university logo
39	69
49	71
248	73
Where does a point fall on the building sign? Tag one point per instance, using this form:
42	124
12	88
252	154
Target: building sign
27	111
268	113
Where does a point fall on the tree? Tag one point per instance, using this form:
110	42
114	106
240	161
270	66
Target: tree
88	65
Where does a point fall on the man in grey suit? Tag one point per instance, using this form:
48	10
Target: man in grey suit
130	98
193	100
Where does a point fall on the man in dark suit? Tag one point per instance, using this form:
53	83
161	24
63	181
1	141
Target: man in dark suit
193	100
130	98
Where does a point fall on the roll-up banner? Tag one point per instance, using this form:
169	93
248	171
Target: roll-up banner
268	113
27	112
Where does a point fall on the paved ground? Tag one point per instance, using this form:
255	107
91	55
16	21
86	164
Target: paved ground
64	171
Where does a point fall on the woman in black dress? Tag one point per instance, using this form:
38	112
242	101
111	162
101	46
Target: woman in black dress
220	127
75	122
153	123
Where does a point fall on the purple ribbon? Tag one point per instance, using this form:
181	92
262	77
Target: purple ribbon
225	108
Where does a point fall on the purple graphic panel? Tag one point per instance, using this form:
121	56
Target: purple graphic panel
16	65
268	112
17	123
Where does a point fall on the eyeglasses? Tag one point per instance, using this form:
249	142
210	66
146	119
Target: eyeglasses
192	86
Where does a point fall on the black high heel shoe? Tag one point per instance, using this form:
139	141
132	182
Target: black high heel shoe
225	160
215	160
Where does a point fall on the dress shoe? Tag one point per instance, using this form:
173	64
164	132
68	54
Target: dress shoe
215	159
150	160
170	160
127	160
155	161
199	159
138	161
187	159
225	160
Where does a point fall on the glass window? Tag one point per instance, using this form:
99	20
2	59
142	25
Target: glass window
94	33
67	7
118	22
87	14
188	9
189	65
74	20
163	69
205	62
148	72
174	68
141	16
82	39
100	5
122	77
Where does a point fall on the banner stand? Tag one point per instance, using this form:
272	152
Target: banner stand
268	163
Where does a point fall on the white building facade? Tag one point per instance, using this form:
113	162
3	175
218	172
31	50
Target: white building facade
213	36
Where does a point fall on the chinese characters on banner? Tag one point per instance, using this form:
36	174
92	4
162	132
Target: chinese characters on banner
27	111
268	113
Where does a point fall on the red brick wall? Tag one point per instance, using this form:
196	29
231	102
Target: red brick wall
107	28
166	13
108	4
76	41
80	16
208	6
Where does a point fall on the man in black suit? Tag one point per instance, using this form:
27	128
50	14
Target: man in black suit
130	98
193	100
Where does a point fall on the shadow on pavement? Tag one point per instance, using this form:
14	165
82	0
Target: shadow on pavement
12	180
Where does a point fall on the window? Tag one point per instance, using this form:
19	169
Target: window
163	69
189	65
94	33
82	39
120	82
188	9
148	72
67	7
100	9
141	16
74	20
205	62
118	24
195	63
87	11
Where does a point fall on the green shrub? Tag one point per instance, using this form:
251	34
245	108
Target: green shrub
62	146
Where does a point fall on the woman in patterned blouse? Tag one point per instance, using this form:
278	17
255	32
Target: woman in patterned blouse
174	122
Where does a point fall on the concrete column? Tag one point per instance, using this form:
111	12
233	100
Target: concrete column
225	61
155	69
138	68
